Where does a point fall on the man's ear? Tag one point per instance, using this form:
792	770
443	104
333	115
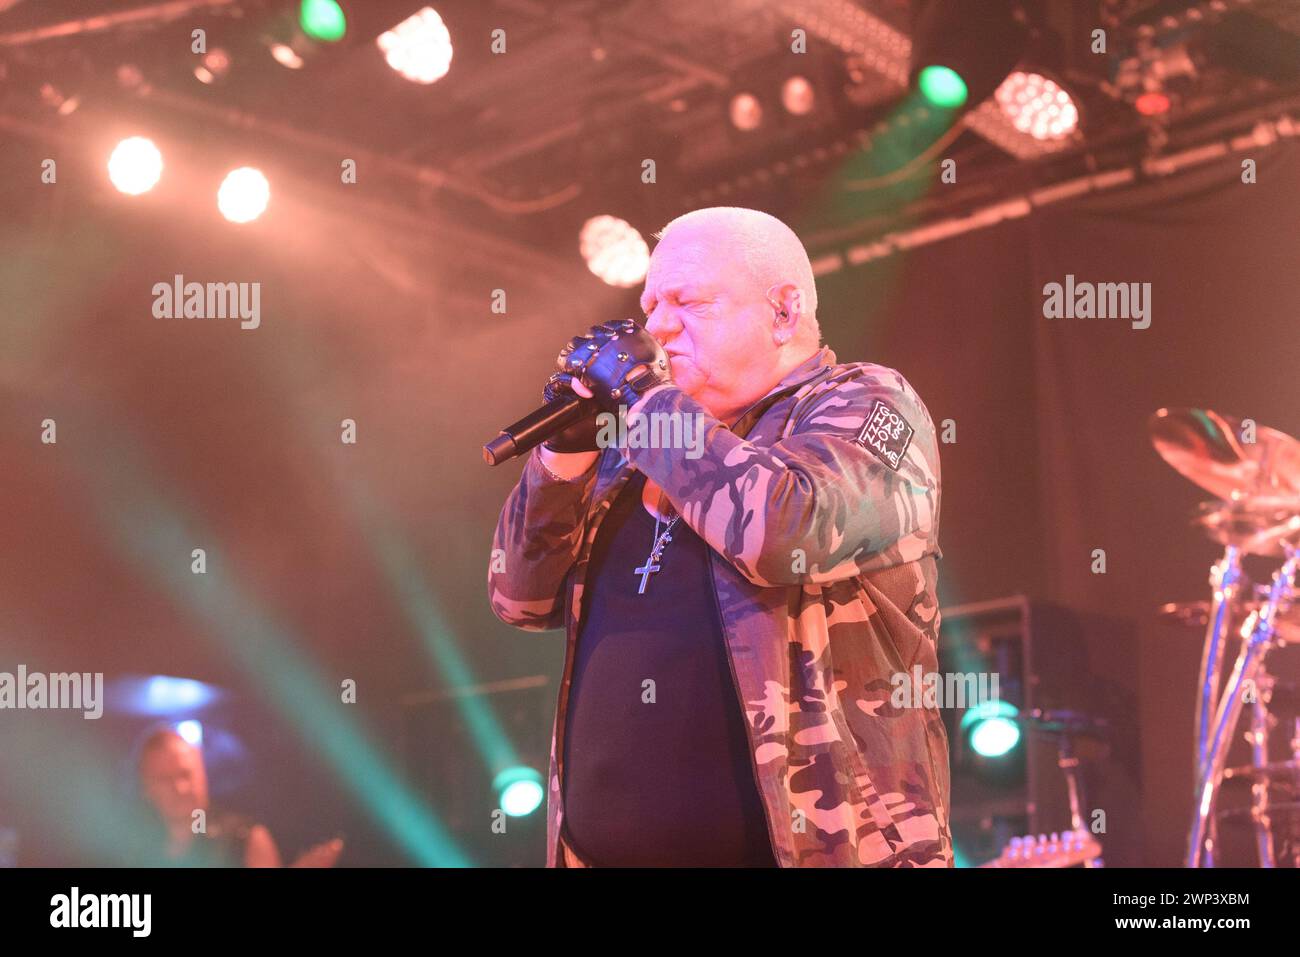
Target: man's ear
778	296
787	303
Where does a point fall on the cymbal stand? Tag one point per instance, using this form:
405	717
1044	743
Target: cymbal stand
1225	582
1260	720
1259	637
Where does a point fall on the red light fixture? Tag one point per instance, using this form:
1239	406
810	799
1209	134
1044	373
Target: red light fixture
1152	103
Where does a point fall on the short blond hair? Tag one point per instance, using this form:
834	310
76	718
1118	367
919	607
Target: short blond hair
770	249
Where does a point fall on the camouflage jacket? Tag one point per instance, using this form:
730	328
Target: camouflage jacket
821	508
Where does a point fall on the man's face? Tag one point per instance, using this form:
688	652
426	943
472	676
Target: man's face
174	780
712	320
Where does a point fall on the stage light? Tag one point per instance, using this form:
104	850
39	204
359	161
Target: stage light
135	166
323	20
1038	106
942	87
213	67
994	737
746	111
191	731
419	48
166	695
797	95
991	728
159	696
308	31
961	52
1152	103
286	56
519	790
57	100
614	250
243	195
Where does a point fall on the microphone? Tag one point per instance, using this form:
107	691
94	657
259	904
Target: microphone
536	427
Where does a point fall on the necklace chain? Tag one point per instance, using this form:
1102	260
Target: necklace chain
657	546
661	540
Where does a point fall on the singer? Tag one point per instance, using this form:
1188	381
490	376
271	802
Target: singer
734	621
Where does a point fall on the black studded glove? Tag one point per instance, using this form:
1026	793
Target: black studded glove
618	361
581	435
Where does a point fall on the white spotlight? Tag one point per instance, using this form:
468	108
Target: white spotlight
746	111
797	95
286	56
419	47
1038	106
191	731
243	195
135	165
614	250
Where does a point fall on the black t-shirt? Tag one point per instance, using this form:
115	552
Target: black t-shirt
668	783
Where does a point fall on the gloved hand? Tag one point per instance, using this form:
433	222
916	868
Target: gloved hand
618	361
581	436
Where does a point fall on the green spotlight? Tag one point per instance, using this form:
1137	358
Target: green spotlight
992	728
942	86
322	20
519	790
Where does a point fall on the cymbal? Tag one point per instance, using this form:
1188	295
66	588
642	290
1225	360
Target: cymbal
1258	525
1206	448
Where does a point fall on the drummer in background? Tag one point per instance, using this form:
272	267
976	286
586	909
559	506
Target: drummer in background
174	783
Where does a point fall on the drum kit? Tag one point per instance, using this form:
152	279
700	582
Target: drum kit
1254	472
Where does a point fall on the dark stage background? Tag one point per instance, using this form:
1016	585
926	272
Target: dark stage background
1052	460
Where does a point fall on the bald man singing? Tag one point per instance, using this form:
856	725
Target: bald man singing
744	583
